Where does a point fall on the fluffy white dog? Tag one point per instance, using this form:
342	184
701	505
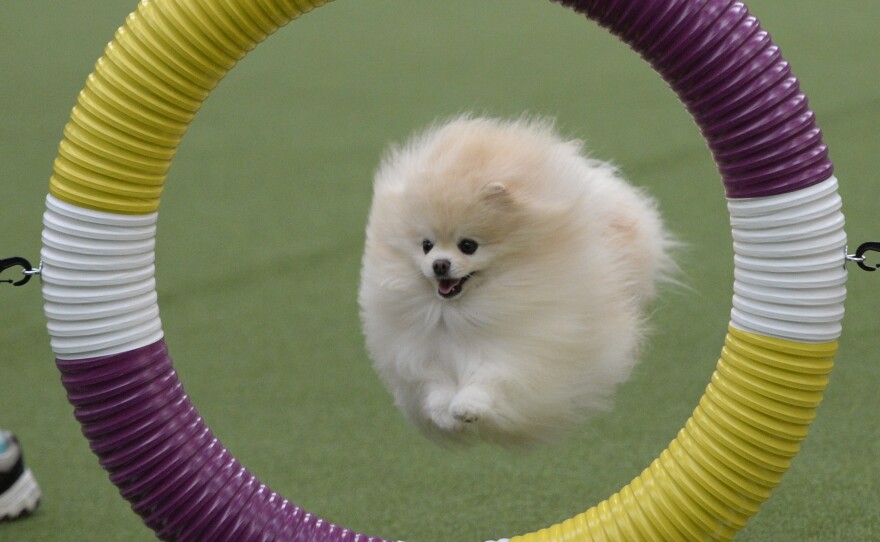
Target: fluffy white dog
505	279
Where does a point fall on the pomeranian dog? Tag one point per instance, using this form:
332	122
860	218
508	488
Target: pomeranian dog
505	279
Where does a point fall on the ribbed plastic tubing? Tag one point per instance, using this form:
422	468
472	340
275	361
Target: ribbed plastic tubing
103	317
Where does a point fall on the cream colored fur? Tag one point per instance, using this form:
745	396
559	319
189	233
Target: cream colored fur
549	322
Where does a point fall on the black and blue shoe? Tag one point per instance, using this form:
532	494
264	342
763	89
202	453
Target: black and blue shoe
19	492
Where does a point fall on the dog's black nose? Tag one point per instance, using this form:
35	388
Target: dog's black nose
441	267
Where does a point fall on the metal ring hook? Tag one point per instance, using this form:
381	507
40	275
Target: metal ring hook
18	261
859	257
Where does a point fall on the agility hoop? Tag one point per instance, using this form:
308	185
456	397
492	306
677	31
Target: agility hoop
103	317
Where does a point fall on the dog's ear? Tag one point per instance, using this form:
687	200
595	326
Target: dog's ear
497	193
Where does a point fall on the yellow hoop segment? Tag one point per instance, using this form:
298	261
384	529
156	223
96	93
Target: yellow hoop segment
730	454
145	91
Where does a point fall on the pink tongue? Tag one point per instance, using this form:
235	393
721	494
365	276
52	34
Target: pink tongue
447	285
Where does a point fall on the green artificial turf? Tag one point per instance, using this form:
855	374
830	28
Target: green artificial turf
260	237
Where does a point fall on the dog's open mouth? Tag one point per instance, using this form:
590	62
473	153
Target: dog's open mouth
449	288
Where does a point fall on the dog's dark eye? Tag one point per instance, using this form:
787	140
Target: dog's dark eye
427	246
468	246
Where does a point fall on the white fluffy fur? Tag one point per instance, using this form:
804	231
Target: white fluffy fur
550	322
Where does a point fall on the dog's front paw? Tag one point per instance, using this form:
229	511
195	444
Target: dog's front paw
436	409
466	416
471	405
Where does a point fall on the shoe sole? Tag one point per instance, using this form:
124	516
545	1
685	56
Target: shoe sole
21	499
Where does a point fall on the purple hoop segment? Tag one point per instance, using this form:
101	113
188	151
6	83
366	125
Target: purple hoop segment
733	80
168	463
132	407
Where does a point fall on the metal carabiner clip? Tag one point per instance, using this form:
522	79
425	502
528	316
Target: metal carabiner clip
18	261
859	256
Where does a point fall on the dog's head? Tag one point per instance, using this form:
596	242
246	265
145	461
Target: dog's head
446	238
457	238
459	201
